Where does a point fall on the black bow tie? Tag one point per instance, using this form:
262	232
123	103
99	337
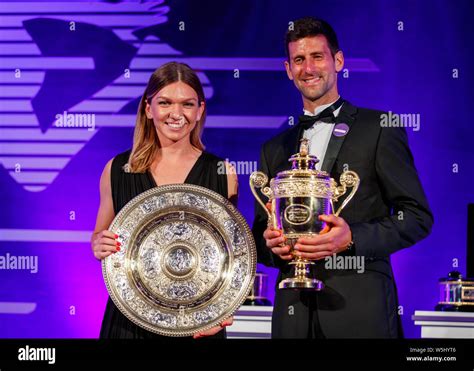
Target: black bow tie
326	116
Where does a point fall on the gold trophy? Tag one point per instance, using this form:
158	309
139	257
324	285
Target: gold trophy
298	196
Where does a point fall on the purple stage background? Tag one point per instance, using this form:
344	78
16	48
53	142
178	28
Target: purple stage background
95	59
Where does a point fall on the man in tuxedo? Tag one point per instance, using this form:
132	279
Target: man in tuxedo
389	211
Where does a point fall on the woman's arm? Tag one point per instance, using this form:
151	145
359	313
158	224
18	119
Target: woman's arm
103	241
232	184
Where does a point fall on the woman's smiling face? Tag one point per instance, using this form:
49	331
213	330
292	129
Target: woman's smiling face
175	111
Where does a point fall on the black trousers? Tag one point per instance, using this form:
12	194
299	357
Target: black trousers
351	305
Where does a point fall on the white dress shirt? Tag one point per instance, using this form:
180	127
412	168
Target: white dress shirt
319	134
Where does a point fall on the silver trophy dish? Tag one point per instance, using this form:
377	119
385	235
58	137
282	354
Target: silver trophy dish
187	262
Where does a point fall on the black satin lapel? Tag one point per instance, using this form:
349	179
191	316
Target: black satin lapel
347	116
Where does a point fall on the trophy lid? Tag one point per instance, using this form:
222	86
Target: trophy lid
303	164
303	160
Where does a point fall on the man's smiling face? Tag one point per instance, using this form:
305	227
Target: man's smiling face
313	69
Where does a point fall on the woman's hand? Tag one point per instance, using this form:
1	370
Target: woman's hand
104	243
229	321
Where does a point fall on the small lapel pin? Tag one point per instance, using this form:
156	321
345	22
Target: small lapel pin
340	130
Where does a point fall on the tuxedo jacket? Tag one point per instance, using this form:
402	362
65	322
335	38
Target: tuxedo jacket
389	212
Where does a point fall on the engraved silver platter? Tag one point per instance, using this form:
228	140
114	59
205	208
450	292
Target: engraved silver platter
187	260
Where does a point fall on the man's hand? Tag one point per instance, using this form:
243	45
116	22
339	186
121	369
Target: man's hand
329	242
275	242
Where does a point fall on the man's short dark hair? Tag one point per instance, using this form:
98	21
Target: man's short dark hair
308	27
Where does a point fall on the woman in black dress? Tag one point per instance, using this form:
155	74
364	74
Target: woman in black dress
167	149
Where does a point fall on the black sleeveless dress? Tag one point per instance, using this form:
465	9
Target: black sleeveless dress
126	186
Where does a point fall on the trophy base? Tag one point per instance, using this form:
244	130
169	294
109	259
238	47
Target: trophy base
311	284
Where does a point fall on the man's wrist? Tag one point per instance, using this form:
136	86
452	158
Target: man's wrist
350	248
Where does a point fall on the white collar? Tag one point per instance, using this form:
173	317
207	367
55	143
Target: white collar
321	108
